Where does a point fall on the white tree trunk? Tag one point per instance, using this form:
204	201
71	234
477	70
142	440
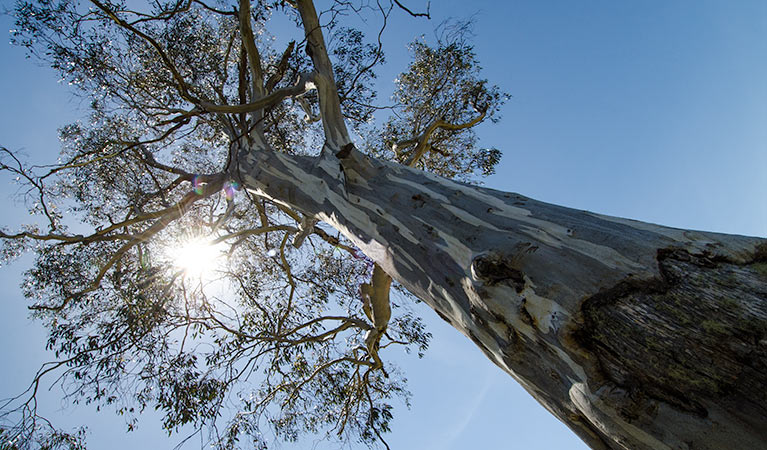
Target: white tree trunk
635	335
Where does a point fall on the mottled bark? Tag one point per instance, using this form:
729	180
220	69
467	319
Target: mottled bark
635	335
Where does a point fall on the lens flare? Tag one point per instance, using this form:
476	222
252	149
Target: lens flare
198	185
230	189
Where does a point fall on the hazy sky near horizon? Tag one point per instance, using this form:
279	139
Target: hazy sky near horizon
653	110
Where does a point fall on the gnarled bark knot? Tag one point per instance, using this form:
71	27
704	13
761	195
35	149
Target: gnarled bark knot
494	267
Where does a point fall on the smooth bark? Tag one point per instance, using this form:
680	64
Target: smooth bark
635	335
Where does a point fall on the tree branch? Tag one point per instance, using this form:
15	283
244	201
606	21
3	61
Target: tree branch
254	232
423	140
414	14
173	213
182	85
336	133
254	58
375	303
303	85
282	66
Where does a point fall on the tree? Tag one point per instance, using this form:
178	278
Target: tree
545	291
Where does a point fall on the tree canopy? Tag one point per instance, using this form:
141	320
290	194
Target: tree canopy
286	324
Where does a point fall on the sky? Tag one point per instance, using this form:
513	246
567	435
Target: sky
653	110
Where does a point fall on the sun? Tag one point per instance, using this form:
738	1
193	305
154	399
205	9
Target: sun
198	257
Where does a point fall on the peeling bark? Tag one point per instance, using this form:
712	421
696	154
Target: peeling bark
635	335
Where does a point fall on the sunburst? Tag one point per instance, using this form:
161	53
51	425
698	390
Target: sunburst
198	257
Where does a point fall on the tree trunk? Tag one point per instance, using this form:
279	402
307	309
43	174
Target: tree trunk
635	335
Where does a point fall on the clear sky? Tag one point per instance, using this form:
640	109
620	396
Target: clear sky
653	110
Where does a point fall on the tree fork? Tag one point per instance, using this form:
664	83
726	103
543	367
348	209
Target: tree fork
610	323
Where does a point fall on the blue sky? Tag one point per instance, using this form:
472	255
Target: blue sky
653	110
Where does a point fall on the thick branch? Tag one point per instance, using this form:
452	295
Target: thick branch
375	298
422	141
305	229
281	68
336	133
254	58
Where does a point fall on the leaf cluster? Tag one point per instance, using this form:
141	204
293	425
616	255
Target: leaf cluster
274	337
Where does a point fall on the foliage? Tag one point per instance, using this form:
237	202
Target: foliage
275	336
441	97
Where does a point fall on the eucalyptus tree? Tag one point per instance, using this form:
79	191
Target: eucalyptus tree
206	140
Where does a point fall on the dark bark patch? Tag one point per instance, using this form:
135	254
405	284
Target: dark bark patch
493	268
760	268
696	336
760	255
418	200
345	150
430	230
478	316
525	315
